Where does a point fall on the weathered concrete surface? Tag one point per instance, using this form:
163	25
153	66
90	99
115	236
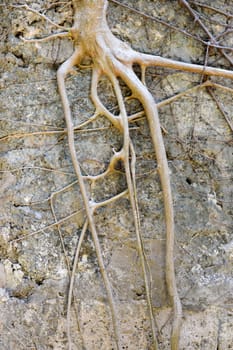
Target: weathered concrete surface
33	271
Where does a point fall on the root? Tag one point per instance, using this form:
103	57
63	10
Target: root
71	286
71	274
61	74
131	184
155	130
111	57
100	108
150	60
46	38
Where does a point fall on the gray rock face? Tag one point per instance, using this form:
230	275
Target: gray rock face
38	187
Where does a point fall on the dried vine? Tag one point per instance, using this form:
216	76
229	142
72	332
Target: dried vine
114	59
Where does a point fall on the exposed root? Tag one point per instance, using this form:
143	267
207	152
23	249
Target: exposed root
115	59
65	68
71	286
131	184
100	108
70	273
150	60
46	38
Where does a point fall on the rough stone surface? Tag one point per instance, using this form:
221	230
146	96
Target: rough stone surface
37	178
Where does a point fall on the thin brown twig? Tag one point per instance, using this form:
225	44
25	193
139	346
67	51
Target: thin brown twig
227	14
28	134
59	222
203	77
207	83
58	3
26	7
219	37
205	29
220	107
50	198
171	26
36	168
77	129
212	20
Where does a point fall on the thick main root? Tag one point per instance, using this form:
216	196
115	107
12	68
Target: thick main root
61	74
114	59
108	61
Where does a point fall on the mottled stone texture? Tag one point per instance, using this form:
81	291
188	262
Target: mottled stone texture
36	170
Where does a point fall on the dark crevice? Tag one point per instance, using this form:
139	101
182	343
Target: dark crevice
189	181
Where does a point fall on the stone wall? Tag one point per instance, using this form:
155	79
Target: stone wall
38	187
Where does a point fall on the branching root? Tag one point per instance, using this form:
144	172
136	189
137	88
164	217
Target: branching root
114	59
